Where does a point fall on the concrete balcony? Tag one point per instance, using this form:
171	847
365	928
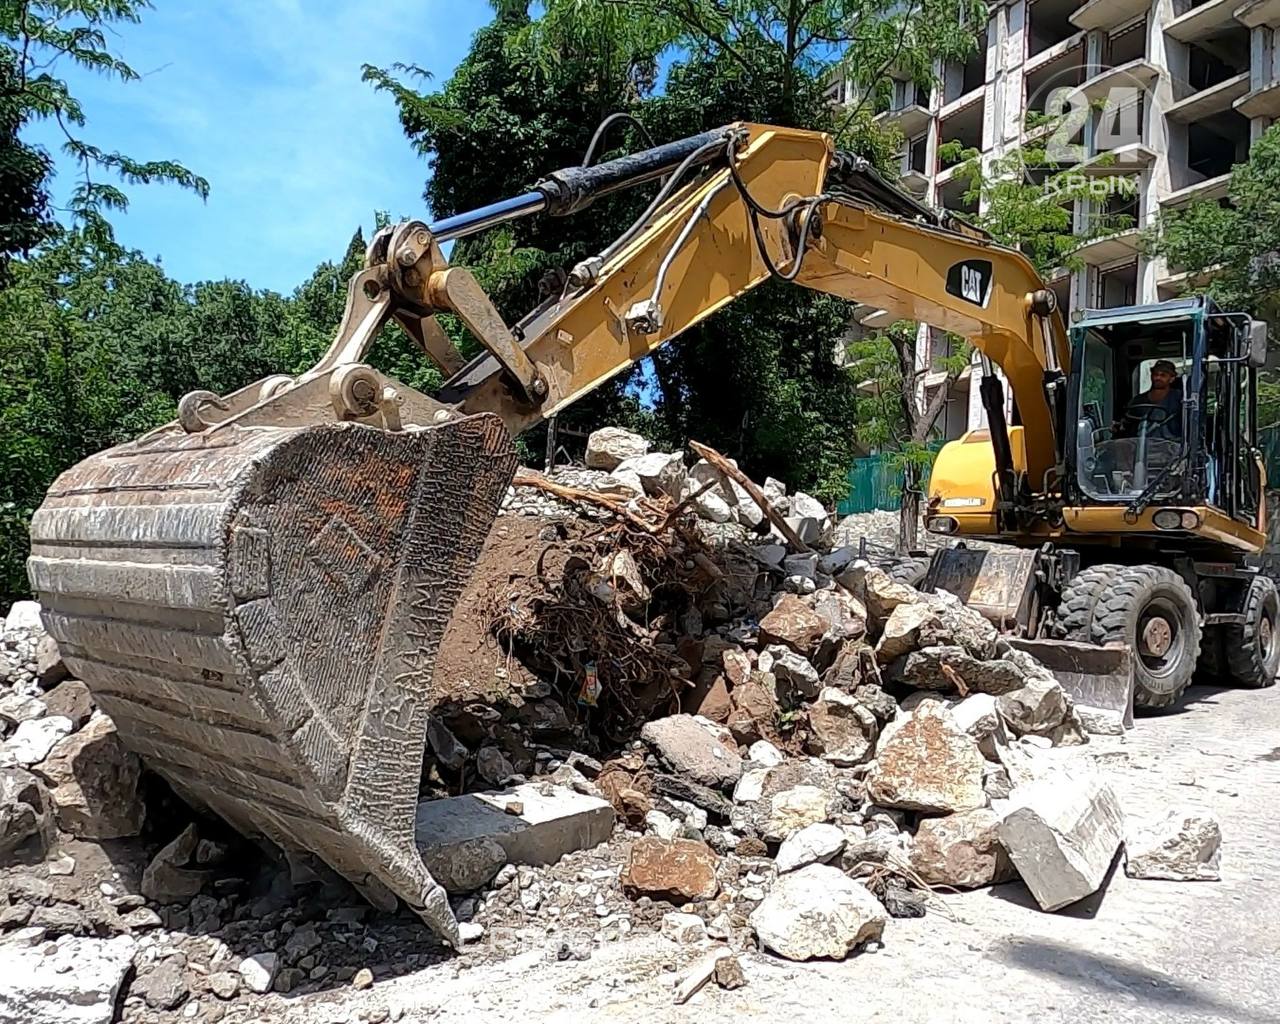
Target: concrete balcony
915	182
1137	72
1262	102
1111	248
1099	14
1173	283
1135	156
1257	13
1213	100
910	120
1204	21
1052	53
1210	188
961	102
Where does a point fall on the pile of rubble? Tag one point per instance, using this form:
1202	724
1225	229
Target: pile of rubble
666	705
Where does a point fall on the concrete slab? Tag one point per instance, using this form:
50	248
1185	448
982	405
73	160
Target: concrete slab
534	823
1097	677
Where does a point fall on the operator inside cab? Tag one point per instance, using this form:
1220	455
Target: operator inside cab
1159	407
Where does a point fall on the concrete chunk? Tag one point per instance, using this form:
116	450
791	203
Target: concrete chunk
1184	846
1062	834
551	822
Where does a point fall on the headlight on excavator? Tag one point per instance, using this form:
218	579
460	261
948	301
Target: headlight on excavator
1175	519
941	524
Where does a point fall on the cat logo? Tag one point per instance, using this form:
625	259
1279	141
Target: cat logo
971	281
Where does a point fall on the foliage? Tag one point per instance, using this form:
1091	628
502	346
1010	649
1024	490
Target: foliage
1026	201
36	36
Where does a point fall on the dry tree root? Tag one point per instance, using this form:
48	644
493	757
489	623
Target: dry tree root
601	616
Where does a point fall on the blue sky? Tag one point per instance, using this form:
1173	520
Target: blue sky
264	98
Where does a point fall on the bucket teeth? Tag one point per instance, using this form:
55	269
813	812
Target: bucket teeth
260	612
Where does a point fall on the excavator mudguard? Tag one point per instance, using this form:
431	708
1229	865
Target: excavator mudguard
259	611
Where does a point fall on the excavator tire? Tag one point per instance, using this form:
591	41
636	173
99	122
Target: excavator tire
1080	597
1151	609
1253	647
259	611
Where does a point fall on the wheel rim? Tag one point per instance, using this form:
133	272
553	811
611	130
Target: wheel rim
1266	636
1161	638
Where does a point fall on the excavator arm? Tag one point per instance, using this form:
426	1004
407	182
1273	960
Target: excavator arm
256	592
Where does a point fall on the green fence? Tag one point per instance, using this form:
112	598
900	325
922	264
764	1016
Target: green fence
876	483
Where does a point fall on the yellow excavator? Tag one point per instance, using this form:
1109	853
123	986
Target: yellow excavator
256	591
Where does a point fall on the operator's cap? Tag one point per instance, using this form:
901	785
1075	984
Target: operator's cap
1165	365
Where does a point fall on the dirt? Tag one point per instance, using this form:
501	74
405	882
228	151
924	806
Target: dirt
472	665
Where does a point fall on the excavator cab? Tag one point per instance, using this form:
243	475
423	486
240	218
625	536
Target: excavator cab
1162	407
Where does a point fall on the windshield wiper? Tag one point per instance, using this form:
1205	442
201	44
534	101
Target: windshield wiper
1139	504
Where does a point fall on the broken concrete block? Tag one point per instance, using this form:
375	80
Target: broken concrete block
813	844
678	870
552	821
684	929
817	911
841	729
24	615
793	624
696	748
93	782
77	982
961	850
22	809
1036	709
793	670
609	446
33	739
465	866
1062	834
660	473
1184	846
927	763
792	809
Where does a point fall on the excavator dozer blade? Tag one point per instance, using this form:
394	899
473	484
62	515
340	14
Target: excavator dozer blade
259	610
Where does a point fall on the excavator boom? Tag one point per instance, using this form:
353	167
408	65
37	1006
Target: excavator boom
256	591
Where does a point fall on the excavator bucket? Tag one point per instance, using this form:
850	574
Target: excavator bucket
259	610
999	581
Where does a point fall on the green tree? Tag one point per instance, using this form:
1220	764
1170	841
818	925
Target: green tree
1232	250
36	37
758	378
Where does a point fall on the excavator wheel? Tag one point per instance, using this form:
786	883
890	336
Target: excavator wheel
1253	647
1080	597
259	610
1153	611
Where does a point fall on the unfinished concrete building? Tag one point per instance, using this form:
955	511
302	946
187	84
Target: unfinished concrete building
1167	94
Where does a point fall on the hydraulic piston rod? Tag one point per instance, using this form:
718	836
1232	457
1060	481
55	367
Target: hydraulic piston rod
568	190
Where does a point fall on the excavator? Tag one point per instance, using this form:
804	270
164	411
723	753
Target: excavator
256	591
